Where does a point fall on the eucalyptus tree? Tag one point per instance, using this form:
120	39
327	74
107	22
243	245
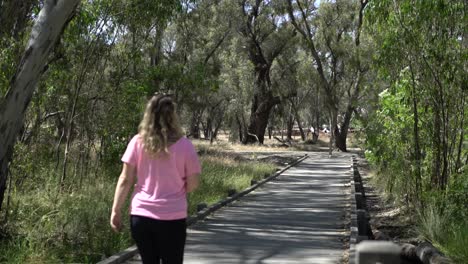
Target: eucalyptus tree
417	135
265	35
423	58
48	28
236	80
332	34
121	40
204	32
287	82
310	95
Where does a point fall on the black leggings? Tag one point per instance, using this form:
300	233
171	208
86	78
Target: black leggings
159	240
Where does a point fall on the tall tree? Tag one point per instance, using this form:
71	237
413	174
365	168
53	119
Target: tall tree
423	58
325	33
265	37
47	30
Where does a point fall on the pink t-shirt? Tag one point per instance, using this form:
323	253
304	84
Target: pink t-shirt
160	189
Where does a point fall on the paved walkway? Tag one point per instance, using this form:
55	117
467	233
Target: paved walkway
297	218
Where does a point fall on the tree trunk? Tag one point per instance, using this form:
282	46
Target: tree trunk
458	163
262	58
329	87
316	134
340	139
208	128
260	113
436	161
298	121
332	124
195	125
70	128
239	126
217	126
214	134
47	29
417	148
290	126
303	136
341	133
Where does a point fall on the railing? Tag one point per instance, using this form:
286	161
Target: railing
360	228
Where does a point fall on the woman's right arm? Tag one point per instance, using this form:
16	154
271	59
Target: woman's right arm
126	180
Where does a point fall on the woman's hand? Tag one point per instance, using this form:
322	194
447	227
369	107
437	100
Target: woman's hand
116	221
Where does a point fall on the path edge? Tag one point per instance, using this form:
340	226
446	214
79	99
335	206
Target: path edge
191	220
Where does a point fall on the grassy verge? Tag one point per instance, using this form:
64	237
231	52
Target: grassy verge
445	232
47	227
440	220
221	173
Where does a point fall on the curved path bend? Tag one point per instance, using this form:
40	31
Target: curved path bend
297	218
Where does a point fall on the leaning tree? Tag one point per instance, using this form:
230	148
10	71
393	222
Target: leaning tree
48	27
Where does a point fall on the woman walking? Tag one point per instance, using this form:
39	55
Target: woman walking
165	167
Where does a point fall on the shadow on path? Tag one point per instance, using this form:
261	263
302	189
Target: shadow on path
297	218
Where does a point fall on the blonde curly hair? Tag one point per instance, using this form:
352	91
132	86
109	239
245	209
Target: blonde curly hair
160	126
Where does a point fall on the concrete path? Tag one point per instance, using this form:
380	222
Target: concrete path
296	218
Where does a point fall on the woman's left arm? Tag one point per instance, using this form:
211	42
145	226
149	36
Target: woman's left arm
126	180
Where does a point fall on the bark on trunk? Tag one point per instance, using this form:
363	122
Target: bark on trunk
341	133
332	124
458	163
316	134
436	161
340	139
260	113
290	125
195	125
417	149
262	103
298	121
208	128
239	126
262	58
303	136
47	30
214	135
217	126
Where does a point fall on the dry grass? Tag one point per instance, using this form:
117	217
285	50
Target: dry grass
223	144
74	227
224	170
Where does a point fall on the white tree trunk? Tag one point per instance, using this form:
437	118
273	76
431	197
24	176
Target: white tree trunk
45	33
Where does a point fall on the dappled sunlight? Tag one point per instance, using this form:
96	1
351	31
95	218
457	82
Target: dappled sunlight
297	217
254	85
